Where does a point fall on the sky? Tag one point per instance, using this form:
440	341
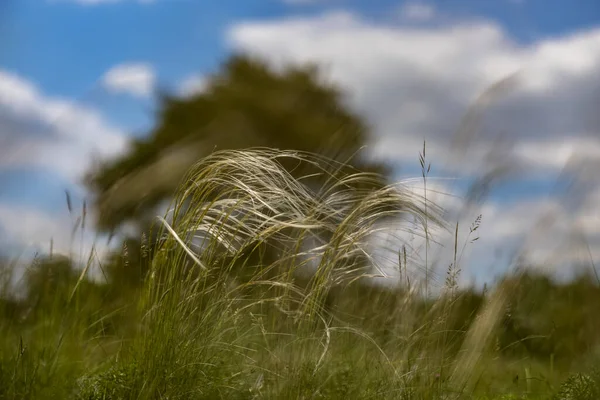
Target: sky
78	77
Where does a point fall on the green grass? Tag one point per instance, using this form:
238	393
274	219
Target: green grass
242	319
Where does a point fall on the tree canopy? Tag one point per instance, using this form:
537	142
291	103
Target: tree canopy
245	104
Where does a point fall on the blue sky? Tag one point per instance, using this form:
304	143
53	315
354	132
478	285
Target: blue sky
180	37
77	76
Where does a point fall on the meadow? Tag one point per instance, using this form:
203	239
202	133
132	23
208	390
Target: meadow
256	286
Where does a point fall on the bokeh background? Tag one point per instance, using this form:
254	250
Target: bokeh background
80	78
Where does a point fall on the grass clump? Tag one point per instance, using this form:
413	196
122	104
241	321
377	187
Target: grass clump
259	287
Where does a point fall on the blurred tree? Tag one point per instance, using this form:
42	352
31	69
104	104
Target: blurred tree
546	317
50	278
247	104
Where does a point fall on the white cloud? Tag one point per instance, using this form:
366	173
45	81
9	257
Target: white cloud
546	234
555	154
56	136
417	83
136	79
192	85
34	231
52	133
417	11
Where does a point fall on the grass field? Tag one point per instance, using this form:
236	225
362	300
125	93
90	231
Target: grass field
256	289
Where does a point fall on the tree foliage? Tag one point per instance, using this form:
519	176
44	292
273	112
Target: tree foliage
246	104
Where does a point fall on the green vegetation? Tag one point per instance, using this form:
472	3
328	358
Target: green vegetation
246	104
213	320
257	282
